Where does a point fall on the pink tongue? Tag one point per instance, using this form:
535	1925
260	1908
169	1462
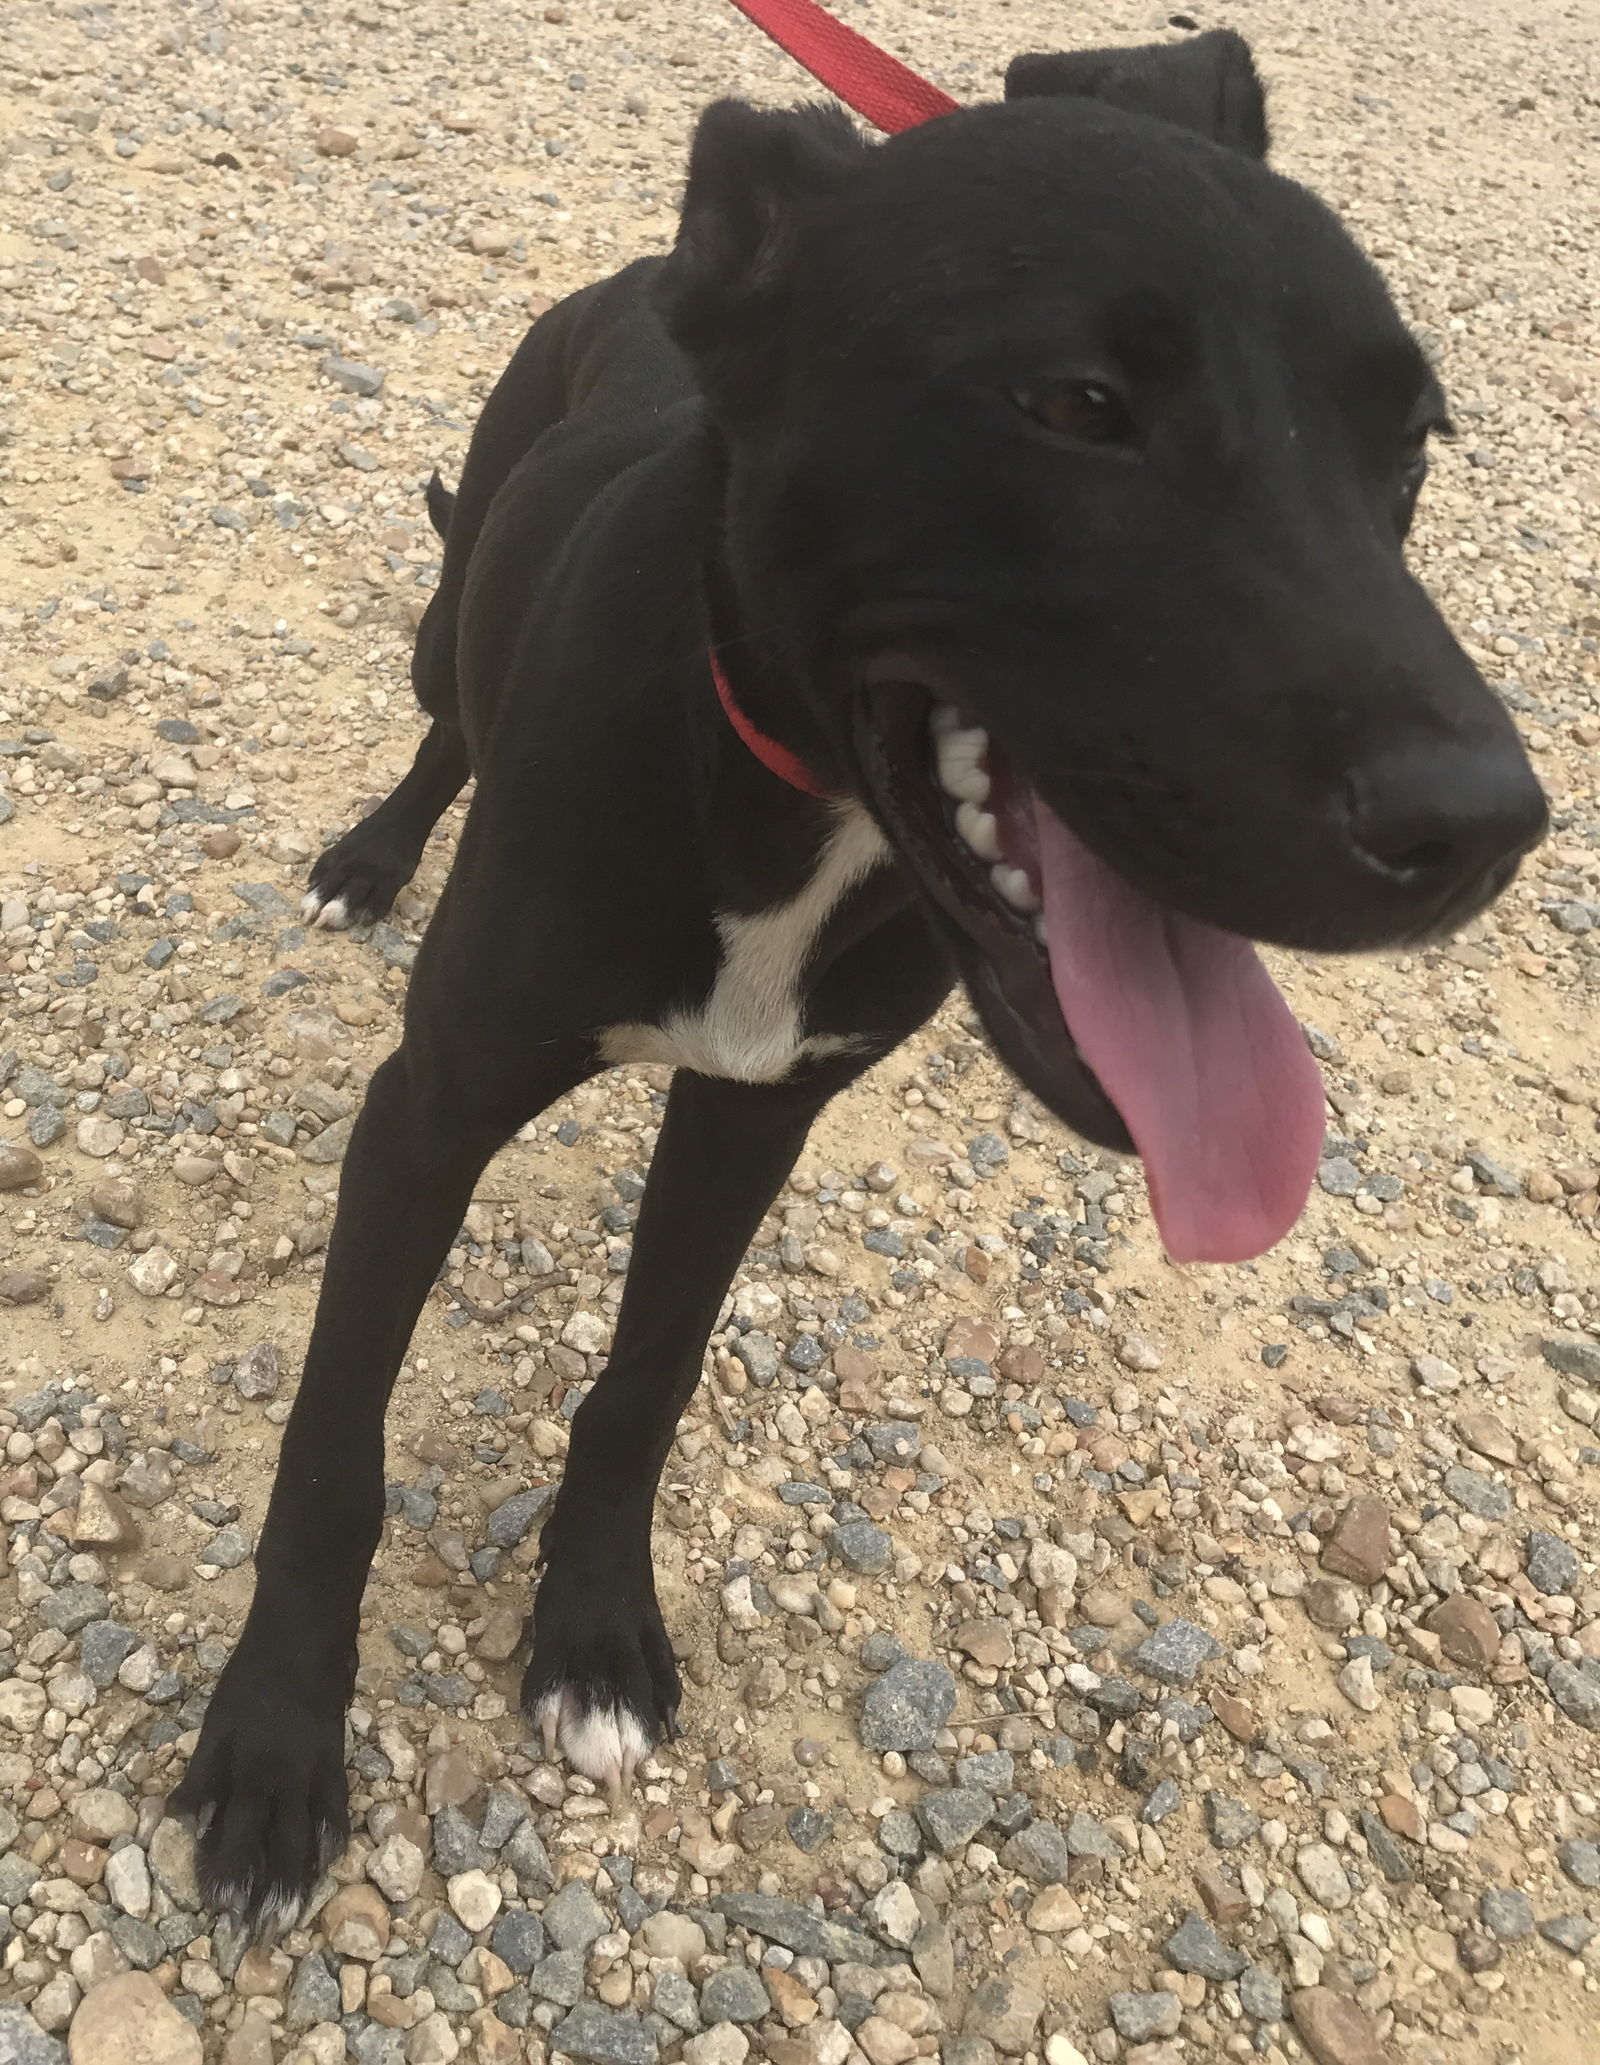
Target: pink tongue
1195	1046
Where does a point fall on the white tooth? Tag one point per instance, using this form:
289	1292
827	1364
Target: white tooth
957	753
946	717
1038	931
1014	886
962	772
979	830
971	787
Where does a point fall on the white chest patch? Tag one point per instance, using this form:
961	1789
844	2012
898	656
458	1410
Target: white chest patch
749	1028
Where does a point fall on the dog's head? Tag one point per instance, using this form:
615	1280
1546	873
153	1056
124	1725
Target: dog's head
1070	455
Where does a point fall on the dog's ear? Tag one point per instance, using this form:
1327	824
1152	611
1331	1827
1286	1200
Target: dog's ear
752	174
1208	83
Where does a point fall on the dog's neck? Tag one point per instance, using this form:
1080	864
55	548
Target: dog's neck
767	721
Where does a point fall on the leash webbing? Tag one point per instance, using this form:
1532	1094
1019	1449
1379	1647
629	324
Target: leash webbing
879	87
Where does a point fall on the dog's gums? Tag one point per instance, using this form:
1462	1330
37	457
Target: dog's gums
1146	1030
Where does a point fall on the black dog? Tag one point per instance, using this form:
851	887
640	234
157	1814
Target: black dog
1038	479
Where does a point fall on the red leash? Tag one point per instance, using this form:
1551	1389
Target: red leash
891	97
879	87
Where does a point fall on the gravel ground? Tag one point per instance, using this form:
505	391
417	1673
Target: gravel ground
1088	1659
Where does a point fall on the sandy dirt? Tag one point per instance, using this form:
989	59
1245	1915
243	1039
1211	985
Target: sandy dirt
214	554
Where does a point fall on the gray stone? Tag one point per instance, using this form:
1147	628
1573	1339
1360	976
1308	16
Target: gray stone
675	1998
329	1145
992	1771
1494	1175
1387	1851
502	1817
574	1918
558	1978
352	375
23	2042
148	1481
894	1441
377	2045
138	1942
808	1830
759	1354
456	1846
797	1928
906	1708
1087	1837
1039	1853
512	1520
529	1859
72	1607
603	2036
933	1952
1580	1860
1261	1994
449	1942
1165	1799
862	1547
1575	1688
17	1879
313	1994
1145	2017
1229	1822
1175	1652
1506	1912
1573	1356
104	1647
1572	1933
227	1548
1004	2013
952	1818
1477	1493
257	1372
734	1994
1194	1946
1552	1564
900	1833
880	1650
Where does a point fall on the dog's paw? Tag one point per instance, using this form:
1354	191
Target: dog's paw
605	1743
602	1685
267	1794
355	882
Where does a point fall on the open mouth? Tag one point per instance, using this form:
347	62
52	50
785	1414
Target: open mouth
1143	1029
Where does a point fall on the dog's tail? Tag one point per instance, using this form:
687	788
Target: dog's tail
440	503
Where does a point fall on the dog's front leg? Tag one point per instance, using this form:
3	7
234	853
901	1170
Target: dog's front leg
267	1782
602	1680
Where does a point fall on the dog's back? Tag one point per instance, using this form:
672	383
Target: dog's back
595	386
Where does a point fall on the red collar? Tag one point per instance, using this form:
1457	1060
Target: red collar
778	760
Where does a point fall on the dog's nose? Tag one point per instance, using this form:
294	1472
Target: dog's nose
1437	817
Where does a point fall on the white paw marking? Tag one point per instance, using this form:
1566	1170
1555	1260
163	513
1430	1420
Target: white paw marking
278	1912
606	1744
331	916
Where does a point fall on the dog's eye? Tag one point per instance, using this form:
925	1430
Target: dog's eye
1087	411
